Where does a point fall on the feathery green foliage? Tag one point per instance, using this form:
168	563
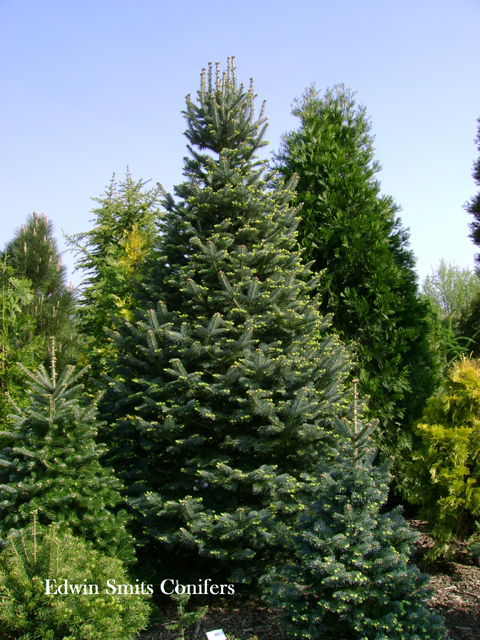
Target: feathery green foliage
451	290
28	611
229	378
51	465
354	236
113	255
445	472
351	577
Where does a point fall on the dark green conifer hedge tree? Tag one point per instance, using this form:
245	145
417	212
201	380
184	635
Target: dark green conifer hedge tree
52	467
354	236
229	378
351	578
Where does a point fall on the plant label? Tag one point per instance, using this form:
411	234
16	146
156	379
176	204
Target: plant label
216	635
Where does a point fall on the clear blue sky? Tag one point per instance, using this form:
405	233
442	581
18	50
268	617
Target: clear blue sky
89	87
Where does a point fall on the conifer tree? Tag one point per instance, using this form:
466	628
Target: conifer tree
33	255
468	326
228	379
351	577
113	256
444	472
473	207
354	236
51	466
17	337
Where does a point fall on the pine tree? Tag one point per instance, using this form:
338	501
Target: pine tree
473	207
351	577
354	237
18	340
113	255
229	377
52	466
33	255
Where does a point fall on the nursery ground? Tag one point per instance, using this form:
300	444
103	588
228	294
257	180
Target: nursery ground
456	597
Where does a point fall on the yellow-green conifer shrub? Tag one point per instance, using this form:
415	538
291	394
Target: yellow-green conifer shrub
31	607
445	471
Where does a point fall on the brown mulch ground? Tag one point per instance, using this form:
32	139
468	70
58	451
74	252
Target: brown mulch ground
456	589
456	597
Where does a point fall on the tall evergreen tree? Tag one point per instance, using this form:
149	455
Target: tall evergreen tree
229	378
52	466
113	256
473	207
354	237
33	255
17	339
351	577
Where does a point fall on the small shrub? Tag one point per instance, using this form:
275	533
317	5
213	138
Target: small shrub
28	611
445	472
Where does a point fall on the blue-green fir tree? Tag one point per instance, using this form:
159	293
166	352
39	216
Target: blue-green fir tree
51	466
229	377
351	578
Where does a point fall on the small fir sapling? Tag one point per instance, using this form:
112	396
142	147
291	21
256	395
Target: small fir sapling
351	578
52	466
185	619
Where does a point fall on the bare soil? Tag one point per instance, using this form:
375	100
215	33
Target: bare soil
456	596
